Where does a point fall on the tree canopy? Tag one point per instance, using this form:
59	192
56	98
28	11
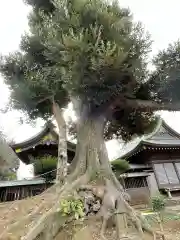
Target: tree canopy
91	52
101	56
94	52
36	89
165	79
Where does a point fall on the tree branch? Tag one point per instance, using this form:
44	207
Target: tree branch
44	99
149	105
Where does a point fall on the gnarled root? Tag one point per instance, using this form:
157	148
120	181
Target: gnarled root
51	216
113	203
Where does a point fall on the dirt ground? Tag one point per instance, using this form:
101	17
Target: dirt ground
14	218
171	229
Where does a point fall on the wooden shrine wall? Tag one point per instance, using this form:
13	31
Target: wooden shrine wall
20	192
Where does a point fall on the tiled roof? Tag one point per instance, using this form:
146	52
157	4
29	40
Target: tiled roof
21	183
162	136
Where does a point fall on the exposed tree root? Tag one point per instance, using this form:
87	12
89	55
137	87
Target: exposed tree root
112	204
48	218
92	163
25	219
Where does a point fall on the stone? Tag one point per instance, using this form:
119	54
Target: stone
84	233
96	207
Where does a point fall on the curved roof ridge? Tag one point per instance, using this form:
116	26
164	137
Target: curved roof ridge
156	129
144	138
44	129
170	129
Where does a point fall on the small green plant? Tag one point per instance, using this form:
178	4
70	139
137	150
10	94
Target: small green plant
8	176
72	207
158	203
46	166
12	176
120	165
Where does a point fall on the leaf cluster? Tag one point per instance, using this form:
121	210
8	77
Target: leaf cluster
158	203
72	207
120	165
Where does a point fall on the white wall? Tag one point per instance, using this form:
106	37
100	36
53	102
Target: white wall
25	171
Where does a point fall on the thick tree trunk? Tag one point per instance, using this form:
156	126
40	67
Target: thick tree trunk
91	152
90	165
62	145
92	159
89	141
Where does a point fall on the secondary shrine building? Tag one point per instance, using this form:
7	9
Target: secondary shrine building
44	143
155	165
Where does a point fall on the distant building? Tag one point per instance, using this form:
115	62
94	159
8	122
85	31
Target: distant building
154	162
16	190
44	143
155	165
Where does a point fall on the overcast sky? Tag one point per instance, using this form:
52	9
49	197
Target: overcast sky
160	18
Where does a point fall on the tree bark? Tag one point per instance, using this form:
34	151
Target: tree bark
89	141
92	163
62	163
92	159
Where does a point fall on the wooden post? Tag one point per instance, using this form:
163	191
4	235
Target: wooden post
169	193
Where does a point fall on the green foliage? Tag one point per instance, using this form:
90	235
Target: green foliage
101	54
45	5
30	76
166	79
93	51
167	217
7	176
120	165
158	203
72	207
11	176
46	164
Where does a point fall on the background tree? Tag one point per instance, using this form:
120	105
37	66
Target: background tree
46	166
100	56
9	161
165	80
35	87
120	166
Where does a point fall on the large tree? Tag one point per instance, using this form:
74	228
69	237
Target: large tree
35	87
100	56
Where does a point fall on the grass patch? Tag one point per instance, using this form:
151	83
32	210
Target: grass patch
166	218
